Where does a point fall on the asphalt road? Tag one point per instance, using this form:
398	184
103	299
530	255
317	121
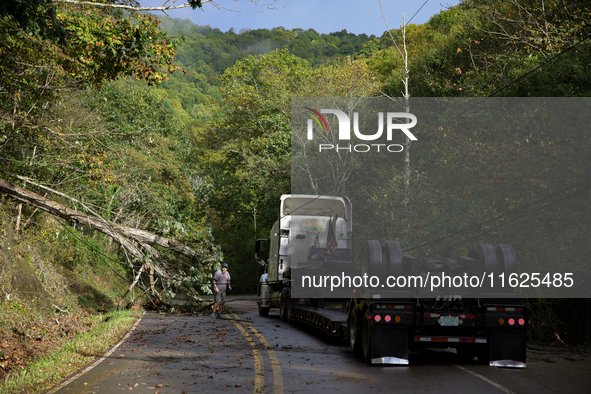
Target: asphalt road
184	354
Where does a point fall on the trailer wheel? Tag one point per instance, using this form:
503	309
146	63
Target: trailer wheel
283	308
366	337
264	311
485	254
506	258
289	307
354	334
286	306
372	258
392	258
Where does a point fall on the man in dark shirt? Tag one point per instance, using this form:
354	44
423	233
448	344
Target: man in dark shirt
221	280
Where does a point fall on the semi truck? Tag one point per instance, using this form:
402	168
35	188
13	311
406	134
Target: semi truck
313	238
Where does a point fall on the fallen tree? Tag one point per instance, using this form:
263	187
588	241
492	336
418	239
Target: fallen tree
139	243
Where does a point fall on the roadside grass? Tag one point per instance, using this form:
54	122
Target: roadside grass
72	354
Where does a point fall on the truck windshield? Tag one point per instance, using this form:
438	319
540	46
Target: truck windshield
313	206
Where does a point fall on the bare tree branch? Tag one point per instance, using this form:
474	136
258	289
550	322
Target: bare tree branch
131	7
162	8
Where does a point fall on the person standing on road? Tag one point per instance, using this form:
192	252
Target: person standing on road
221	279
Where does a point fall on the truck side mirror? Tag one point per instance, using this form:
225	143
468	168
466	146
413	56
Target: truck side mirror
257	249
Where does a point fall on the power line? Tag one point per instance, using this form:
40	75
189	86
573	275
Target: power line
495	218
417	12
544	63
538	67
512	219
98	252
498	217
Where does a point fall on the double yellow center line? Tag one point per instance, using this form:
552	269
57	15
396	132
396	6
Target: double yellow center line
259	372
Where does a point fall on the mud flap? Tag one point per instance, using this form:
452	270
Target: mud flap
507	348
389	345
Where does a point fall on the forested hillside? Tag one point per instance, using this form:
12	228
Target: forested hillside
168	139
206	54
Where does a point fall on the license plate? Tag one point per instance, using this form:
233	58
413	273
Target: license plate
449	320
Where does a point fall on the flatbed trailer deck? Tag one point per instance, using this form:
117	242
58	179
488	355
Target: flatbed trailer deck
330	321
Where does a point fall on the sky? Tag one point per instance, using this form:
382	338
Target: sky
324	16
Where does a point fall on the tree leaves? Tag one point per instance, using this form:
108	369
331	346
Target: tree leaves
102	48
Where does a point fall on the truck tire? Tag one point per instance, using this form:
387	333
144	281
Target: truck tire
485	254
289	305
366	337
392	258
264	311
283	307
286	306
506	258
354	334
372	258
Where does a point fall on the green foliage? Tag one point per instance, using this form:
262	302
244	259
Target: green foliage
36	17
99	47
251	166
149	159
120	150
207	53
102	48
255	143
48	133
198	276
76	270
479	47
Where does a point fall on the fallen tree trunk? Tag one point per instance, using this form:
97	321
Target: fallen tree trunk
134	240
114	230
